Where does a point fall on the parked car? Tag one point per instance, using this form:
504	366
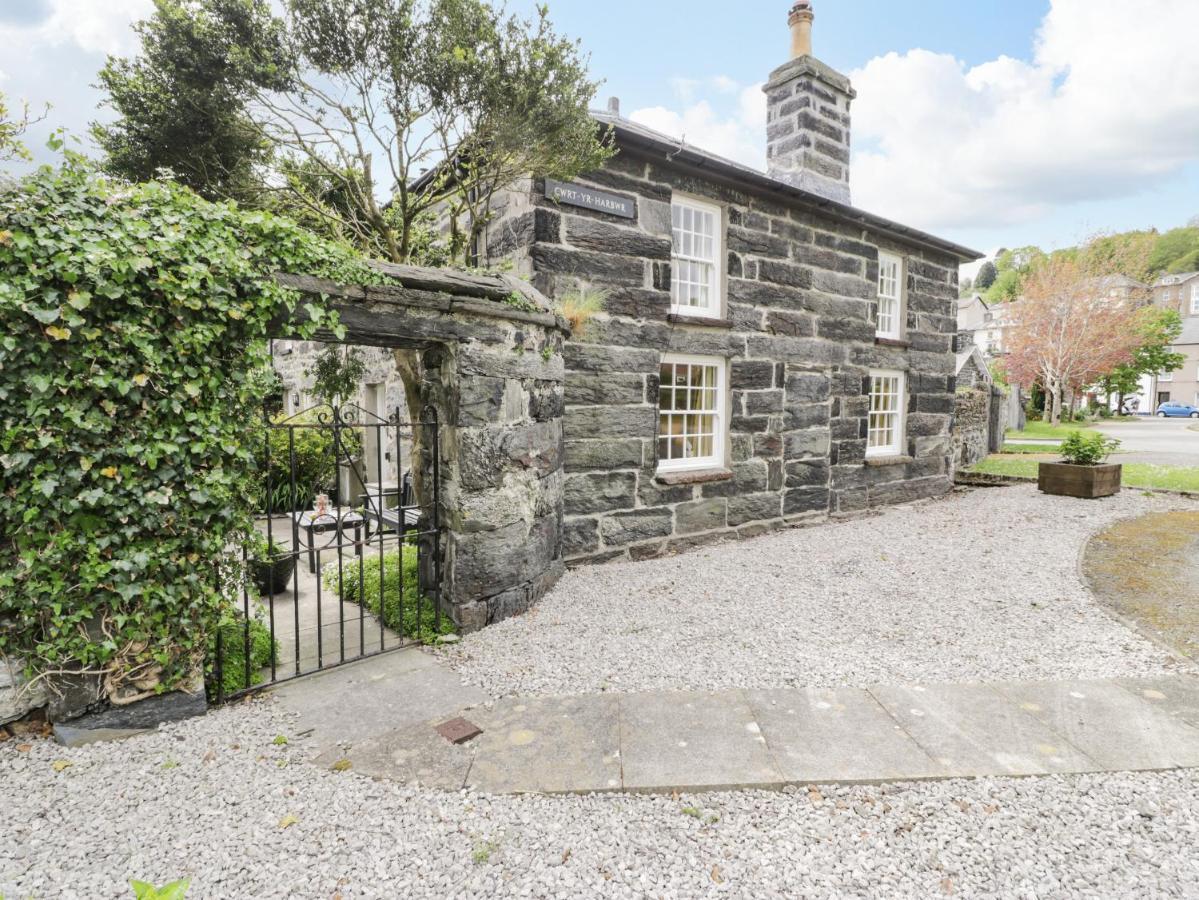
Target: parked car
1178	410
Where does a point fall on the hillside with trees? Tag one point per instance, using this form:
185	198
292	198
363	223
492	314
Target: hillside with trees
1160	253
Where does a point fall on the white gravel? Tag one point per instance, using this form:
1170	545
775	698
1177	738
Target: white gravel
979	586
208	800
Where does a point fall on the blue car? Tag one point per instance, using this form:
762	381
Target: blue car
1178	410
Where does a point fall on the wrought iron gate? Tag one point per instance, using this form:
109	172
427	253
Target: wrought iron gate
344	563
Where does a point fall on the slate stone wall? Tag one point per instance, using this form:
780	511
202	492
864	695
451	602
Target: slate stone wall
972	426
799	338
808	127
492	373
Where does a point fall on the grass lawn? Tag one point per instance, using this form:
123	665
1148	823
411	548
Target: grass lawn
1136	475
1043	430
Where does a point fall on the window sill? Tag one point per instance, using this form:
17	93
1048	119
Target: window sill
707	321
893	342
878	462
697	476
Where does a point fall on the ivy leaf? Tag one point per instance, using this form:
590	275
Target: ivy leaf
141	379
44	315
58	334
79	299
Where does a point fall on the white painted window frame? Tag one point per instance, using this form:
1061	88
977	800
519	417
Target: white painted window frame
1195	299
1165	376
897	446
720	427
716	284
885	262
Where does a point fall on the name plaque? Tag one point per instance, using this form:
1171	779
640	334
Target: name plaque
590	198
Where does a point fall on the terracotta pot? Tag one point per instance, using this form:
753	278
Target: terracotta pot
1087	482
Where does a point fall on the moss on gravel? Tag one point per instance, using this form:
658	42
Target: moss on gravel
1147	569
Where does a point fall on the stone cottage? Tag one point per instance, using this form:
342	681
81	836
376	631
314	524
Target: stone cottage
768	352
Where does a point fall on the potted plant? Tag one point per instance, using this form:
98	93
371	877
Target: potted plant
271	565
1082	471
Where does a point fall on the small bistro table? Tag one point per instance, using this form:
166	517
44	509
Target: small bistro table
308	522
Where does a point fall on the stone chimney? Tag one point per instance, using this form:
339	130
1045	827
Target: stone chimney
807	117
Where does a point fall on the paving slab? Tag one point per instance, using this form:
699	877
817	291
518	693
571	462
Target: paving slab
838	734
567	745
364	699
416	754
1177	696
1117	729
693	741
973	731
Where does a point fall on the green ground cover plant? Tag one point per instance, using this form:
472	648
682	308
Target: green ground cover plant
405	610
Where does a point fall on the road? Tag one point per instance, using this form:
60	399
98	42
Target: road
1165	442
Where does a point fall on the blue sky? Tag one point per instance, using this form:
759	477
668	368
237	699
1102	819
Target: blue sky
991	123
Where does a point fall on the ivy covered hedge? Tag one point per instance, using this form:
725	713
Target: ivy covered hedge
133	326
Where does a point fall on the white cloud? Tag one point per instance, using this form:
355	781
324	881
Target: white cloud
737	132
95	26
1107	106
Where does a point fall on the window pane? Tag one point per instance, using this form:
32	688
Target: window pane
689	407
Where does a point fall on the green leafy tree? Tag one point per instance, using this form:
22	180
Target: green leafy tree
1007	287
385	91
1160	328
1187	263
1174	250
986	276
181	105
356	101
13	126
336	373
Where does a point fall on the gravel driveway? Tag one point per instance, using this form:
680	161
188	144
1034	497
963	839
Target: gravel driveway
212	800
979	586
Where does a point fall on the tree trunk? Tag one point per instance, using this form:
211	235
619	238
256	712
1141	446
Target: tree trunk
1056	418
409	368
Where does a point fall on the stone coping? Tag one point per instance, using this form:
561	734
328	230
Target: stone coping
439	290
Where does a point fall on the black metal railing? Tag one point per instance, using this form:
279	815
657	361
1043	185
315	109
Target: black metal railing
338	532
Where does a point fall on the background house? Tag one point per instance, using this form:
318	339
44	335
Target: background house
1181	294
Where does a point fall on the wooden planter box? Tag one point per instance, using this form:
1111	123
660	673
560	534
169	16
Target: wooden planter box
1087	482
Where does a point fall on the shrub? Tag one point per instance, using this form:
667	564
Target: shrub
233	656
1091	449
413	615
316	460
133	331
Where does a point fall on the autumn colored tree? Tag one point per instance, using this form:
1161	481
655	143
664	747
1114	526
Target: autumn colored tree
1078	321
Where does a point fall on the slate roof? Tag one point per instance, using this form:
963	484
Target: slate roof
679	151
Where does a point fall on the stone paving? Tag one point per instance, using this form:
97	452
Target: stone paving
661	741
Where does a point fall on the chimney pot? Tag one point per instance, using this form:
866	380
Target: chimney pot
800	20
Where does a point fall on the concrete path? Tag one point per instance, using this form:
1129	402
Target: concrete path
1163	442
383	724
